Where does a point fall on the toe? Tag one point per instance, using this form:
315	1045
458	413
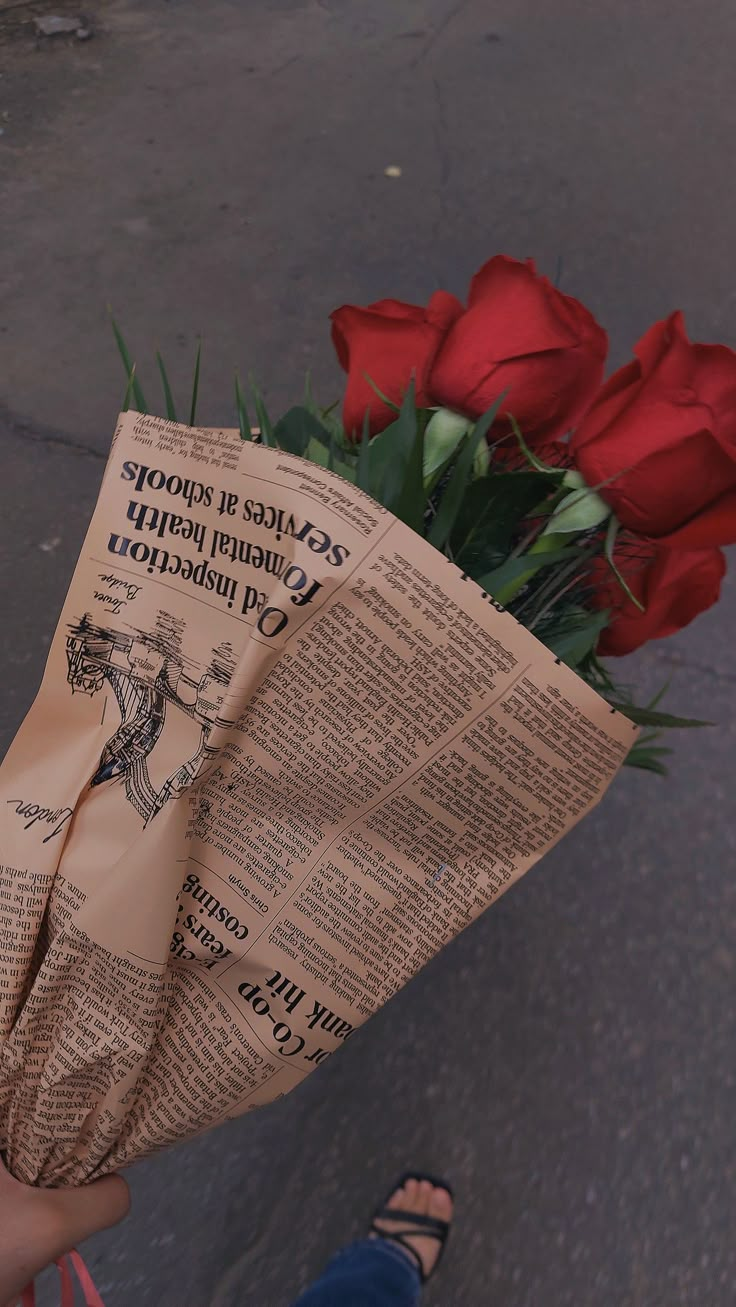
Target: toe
440	1205
396	1198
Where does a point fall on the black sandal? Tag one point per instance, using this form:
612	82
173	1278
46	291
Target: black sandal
416	1224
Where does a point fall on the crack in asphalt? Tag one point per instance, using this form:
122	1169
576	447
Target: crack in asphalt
39	435
453	12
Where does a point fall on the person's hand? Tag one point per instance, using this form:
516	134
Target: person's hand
39	1225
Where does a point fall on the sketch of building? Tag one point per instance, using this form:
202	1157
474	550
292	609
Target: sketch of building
148	675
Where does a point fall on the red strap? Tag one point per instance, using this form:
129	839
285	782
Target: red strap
91	1296
64	1264
67	1284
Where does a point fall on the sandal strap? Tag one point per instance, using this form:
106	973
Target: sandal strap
431	1225
399	1238
421	1227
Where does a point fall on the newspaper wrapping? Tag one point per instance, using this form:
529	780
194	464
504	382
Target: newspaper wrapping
282	752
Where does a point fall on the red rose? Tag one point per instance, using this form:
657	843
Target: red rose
665	427
673	584
389	342
521	335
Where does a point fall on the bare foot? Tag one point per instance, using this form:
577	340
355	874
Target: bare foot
421	1198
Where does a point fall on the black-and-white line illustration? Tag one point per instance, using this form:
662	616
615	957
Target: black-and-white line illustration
149	676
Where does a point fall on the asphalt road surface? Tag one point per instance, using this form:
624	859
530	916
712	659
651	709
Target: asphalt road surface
569	1061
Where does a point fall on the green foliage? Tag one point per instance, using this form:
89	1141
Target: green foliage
130	373
264	421
384	398
647	759
128	390
575	635
452	496
396	465
363	473
609	546
297	428
531	457
648	717
445	432
303	431
168	396
243	418
578	511
489	515
526	567
317	452
195	385
449	487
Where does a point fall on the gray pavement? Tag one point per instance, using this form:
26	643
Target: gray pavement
569	1061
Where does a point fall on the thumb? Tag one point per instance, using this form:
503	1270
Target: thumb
91	1208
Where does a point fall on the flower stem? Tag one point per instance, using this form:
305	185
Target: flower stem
544	544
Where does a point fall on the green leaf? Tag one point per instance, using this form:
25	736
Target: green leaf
332	423
575	637
140	402
525	566
482	460
195	384
168	397
380	456
363	476
647	717
647	760
405	495
326	455
411	504
128	390
489	514
608	548
574	480
297	428
579	511
446	515
317	453
530	456
332	452
545	546
396	457
388	402
264	421
346	470
648	737
445	432
325	415
243	417
659	696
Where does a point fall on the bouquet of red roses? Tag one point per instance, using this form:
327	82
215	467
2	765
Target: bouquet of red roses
285	749
292	735
594	511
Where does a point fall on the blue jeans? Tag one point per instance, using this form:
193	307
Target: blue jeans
369	1273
